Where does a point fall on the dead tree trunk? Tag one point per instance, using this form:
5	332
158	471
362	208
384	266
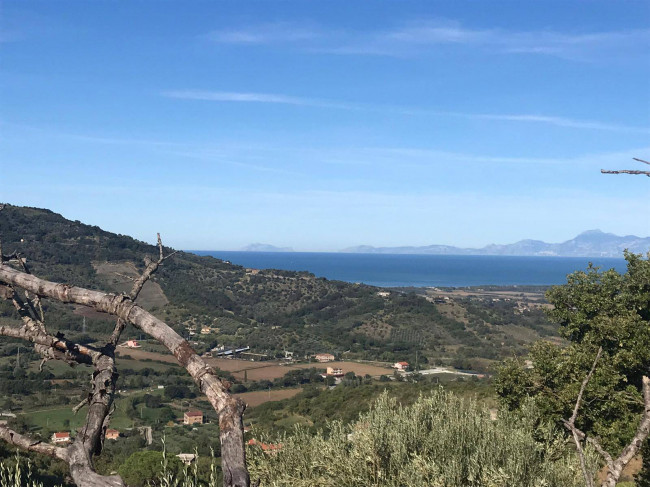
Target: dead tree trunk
88	443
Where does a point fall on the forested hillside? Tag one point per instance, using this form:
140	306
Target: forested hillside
268	310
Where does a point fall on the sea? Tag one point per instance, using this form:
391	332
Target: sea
392	270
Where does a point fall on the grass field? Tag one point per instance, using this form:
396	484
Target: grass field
54	419
272	370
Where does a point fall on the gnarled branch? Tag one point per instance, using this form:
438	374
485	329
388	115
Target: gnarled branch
26	443
229	408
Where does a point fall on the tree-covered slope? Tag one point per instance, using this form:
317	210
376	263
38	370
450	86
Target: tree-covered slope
269	310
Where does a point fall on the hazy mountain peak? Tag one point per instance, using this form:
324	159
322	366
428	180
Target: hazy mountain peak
262	247
592	243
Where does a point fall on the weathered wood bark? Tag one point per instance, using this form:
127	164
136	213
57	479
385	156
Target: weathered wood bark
229	408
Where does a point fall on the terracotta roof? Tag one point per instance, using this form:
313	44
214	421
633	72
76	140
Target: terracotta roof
194	413
265	446
62	435
403	363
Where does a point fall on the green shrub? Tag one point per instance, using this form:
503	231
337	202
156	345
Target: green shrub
18	474
440	441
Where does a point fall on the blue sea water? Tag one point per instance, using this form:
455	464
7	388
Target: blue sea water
421	270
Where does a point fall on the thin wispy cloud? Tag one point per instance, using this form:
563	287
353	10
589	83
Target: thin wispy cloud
424	156
557	121
244	97
426	37
272	33
230	96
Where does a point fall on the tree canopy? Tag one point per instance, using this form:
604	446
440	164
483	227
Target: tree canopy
595	309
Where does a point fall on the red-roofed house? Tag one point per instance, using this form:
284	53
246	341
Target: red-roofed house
61	437
401	366
112	434
192	417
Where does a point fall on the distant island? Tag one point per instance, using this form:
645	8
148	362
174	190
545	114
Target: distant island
260	247
592	243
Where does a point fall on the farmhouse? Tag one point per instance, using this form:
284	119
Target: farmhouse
61	437
334	371
324	357
132	344
193	417
401	366
112	434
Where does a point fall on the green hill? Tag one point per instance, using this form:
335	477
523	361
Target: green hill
268	310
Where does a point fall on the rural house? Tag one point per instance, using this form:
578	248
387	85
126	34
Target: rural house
61	437
112	434
334	371
401	366
193	417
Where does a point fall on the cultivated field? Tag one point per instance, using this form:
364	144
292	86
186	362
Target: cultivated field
268	370
256	398
357	368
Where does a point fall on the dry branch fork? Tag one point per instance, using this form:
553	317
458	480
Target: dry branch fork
79	454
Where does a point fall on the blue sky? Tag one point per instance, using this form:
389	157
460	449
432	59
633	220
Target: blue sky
321	125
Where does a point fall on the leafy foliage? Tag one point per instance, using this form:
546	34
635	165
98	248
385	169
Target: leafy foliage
440	441
594	308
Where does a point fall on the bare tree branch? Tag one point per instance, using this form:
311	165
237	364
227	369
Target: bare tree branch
151	267
571	423
73	352
26	443
625	171
229	408
90	438
629	171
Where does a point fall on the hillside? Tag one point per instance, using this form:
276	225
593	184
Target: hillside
268	310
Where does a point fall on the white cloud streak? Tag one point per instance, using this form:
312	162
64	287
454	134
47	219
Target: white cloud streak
230	96
271	33
425	37
244	97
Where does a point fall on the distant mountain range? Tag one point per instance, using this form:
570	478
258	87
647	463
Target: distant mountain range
593	243
260	247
